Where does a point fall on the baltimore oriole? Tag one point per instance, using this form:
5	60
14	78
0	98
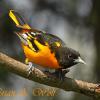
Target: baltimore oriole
43	48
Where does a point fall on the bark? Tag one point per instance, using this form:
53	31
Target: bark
89	89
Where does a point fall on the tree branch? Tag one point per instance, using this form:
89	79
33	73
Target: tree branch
89	89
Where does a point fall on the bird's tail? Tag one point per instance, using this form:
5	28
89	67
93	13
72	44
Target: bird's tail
18	20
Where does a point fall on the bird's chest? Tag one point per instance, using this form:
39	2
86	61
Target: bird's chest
44	57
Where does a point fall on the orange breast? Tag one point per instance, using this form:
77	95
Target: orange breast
44	57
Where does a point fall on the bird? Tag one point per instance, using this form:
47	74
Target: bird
44	49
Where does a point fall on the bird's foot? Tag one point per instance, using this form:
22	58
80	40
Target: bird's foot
60	73
65	71
98	86
30	68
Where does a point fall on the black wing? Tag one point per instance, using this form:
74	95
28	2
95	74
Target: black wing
53	41
44	38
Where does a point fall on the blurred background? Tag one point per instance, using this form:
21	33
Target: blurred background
76	22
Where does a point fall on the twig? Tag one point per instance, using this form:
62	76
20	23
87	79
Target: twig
89	89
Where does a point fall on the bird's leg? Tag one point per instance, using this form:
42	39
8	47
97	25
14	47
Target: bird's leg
60	73
64	71
30	66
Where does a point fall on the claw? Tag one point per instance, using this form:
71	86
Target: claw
98	86
60	73
30	68
64	71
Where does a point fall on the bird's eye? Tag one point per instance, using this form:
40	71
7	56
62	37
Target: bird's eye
69	56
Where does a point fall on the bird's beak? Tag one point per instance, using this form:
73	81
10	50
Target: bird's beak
79	60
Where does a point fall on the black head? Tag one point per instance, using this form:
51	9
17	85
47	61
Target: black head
68	57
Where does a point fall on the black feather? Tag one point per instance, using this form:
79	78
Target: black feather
66	56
